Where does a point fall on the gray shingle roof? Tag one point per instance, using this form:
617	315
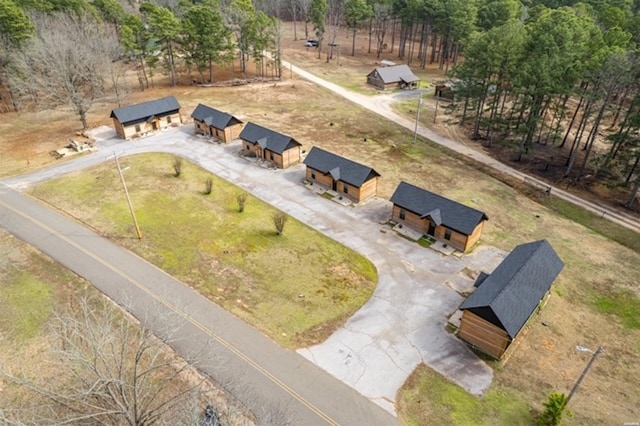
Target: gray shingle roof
397	74
268	139
442	211
212	117
146	110
340	168
508	297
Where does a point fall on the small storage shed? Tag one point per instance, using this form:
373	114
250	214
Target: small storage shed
446	220
497	311
220	125
348	178
135	120
391	77
281	150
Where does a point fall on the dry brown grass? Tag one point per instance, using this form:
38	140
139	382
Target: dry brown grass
546	359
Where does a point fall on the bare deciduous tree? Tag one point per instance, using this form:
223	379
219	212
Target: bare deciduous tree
279	220
66	64
109	371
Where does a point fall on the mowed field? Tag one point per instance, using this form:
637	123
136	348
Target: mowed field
596	300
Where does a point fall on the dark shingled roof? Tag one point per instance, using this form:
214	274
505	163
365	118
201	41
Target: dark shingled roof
397	74
146	111
268	139
212	117
340	168
508	297
442	211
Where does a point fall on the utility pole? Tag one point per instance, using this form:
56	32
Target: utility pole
415	133
126	192
584	373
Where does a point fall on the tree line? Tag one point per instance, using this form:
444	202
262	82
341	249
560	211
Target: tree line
561	83
533	75
75	52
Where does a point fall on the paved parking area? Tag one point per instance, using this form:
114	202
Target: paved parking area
403	324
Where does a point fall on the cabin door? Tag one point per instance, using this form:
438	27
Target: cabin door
432	229
334	185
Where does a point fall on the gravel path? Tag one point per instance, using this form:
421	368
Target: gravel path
382	106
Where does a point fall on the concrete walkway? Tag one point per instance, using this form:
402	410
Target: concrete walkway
382	106
404	322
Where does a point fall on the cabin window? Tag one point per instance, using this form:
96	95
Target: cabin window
403	214
169	119
346	189
137	128
447	234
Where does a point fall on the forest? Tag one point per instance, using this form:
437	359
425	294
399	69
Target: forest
555	80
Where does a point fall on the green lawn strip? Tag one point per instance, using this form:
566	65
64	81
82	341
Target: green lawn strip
428	398
596	223
622	304
26	305
289	286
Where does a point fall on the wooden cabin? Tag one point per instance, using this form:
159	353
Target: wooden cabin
445	220
497	311
348	178
399	76
280	150
136	120
220	125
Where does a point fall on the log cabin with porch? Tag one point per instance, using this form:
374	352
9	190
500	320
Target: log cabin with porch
497	311
441	218
399	76
280	150
217	124
137	120
347	178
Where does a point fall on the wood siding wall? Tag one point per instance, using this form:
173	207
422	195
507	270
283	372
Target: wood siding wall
288	158
227	135
320	178
485	336
129	131
367	190
459	241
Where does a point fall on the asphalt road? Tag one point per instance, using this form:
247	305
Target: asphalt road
278	385
382	106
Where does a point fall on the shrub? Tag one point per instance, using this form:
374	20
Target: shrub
208	186
177	166
242	200
279	220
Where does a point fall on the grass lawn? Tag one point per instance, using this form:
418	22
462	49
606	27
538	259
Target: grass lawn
427	398
296	287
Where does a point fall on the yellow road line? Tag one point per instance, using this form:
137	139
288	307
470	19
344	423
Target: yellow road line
156	297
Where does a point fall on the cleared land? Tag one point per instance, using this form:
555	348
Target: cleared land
594	302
